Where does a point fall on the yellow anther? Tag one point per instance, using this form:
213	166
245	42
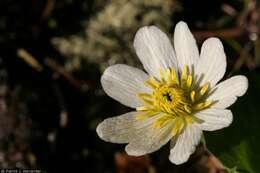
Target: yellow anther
192	96
170	79
175	130
168	73
147	101
174	76
199	106
152	82
189	81
142	108
207	103
204	89
162	74
202	105
187	109
144	95
184	76
184	73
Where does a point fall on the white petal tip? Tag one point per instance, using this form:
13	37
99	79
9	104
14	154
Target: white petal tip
154	49
186	49
105	74
229	119
131	152
182	28
181	24
99	130
244	85
215	119
178	161
102	130
214	42
185	145
145	30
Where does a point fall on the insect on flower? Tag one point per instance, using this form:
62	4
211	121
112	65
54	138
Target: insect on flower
176	99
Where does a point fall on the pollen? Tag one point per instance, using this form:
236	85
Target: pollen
176	97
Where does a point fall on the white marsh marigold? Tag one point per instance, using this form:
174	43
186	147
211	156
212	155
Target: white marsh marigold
176	99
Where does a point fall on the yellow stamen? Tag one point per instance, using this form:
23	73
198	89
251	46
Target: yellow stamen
184	73
174	99
202	105
168	74
187	109
152	82
162	74
143	108
189	81
192	96
147	101
174	76
144	95
204	89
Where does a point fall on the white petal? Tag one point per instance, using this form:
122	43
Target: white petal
123	82
149	140
214	119
212	63
226	92
185	144
122	129
185	46
154	49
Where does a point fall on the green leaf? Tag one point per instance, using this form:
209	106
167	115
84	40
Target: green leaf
239	144
233	170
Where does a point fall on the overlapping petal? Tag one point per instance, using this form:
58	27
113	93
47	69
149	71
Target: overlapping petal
211	65
185	46
214	119
185	144
123	82
154	49
123	128
226	92
150	140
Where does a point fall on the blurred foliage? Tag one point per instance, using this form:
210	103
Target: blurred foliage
109	34
52	54
238	145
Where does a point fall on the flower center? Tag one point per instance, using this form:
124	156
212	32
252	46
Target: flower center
175	98
171	99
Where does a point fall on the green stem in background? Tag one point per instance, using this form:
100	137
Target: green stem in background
205	160
232	170
203	140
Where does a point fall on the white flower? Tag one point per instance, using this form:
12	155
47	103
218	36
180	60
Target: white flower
176	99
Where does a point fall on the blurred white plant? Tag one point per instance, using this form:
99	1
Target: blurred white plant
109	33
176	99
